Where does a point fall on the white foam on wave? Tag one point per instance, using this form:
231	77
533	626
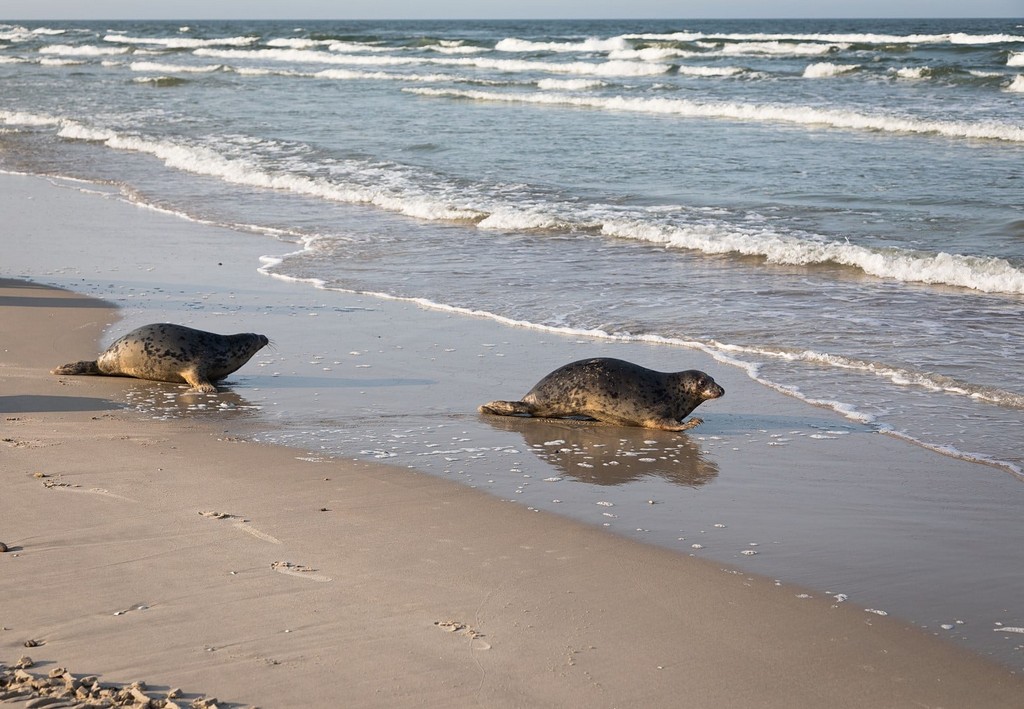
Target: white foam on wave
519	219
608	68
847	411
900	376
753	44
799	115
912	73
344	75
592	44
779	49
853	414
57	61
686	70
964	38
825	70
14	33
87	50
181	42
848	38
1017	85
1015	59
348	74
445	48
569	84
20	118
13	60
305	56
986	274
710	51
142	202
299	42
256	71
204	161
954	452
174	68
336	46
158	80
654	54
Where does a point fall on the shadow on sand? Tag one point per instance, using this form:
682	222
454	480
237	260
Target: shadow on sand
36	404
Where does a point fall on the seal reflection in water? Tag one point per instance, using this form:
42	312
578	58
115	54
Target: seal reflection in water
615	391
173	353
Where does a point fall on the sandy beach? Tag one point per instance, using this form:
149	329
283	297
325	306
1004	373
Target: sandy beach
152	537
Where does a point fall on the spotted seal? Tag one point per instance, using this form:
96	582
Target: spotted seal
615	391
173	353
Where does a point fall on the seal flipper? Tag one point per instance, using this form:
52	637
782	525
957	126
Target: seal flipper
198	382
508	408
668	424
83	367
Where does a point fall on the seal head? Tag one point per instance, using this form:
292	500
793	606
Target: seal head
173	353
615	391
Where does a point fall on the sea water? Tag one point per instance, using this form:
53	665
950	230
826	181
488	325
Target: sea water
833	208
837	206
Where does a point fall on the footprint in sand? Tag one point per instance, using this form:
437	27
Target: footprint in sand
283	567
243	525
299	570
135	607
455	627
68	487
256	533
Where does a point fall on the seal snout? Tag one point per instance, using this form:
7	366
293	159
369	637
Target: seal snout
713	390
252	342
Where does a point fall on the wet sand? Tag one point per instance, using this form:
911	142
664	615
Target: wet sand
167	546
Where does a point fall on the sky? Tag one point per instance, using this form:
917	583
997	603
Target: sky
499	9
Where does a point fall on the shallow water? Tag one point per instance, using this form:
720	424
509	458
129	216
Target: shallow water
834	206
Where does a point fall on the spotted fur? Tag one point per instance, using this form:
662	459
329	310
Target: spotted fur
615	391
172	353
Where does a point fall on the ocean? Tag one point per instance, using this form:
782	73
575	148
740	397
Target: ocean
832	208
835	206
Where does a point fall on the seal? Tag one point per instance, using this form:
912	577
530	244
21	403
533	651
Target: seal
172	353
615	391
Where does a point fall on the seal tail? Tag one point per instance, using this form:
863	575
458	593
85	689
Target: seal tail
83	367
507	408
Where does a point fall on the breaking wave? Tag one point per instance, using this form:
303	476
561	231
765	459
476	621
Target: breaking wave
801	115
404	195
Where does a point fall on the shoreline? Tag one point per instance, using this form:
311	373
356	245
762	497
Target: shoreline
851	514
339	582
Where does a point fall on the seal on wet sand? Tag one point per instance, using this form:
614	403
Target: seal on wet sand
173	353
615	391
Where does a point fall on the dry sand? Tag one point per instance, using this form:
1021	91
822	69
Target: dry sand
169	552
